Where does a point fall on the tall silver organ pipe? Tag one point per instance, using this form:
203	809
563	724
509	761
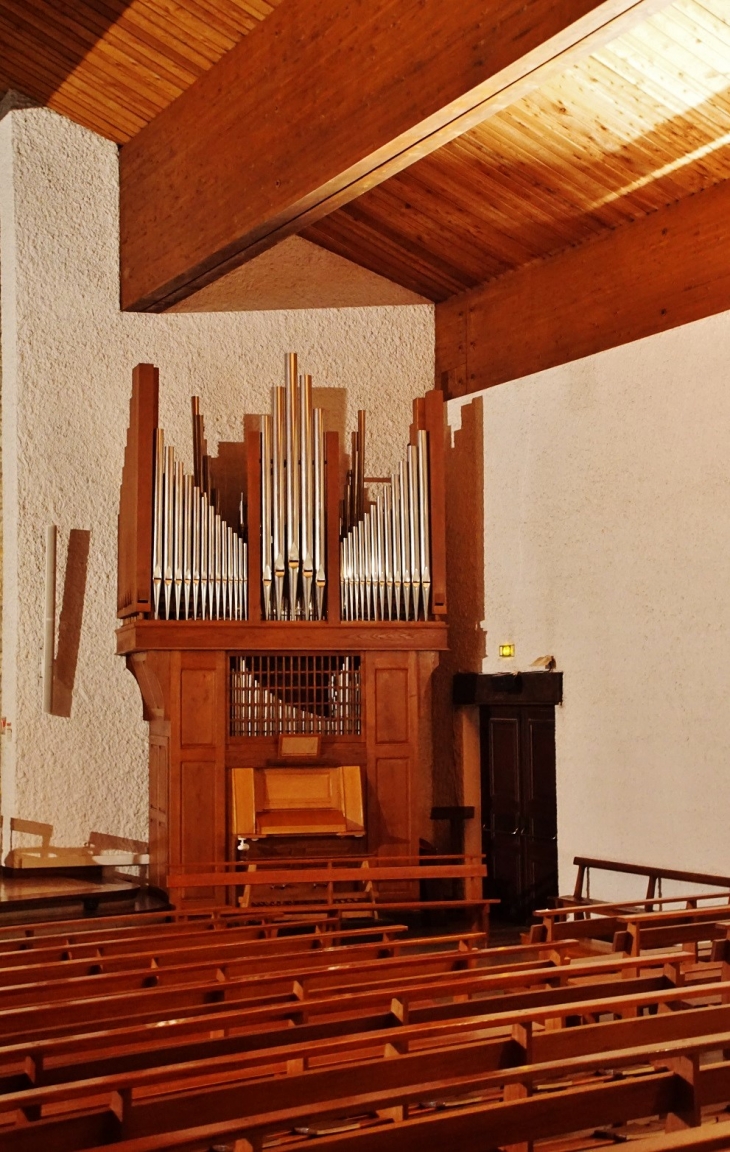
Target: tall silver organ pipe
320	520
199	562
385	568
277	532
266	506
293	519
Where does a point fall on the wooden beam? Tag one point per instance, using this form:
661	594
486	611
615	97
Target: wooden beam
325	99
663	270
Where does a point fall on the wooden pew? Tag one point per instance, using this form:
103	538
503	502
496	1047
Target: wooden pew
194	1030
440	997
252	940
654	876
361	875
552	922
156	951
272	970
629	930
494	1054
389	1089
36	1099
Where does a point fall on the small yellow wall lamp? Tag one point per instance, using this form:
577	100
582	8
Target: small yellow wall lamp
506	650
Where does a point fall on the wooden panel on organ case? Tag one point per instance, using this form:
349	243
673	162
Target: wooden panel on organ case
197	706
391	705
159	775
198	818
391	768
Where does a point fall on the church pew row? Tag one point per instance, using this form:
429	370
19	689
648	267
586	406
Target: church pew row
626	1002
362	877
437	996
140	955
270	976
551	922
255	939
554	1004
225	1033
418	995
260	925
204	916
605	1085
586	865
632	931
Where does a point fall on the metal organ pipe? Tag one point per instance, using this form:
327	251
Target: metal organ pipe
293	518
386	554
200	561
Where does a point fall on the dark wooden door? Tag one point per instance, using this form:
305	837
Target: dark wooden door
519	806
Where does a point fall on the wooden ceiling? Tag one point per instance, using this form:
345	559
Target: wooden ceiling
639	124
112	65
631	128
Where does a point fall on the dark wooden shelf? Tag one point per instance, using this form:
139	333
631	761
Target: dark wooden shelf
507	688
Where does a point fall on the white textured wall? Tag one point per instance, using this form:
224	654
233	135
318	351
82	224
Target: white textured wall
67	359
607	544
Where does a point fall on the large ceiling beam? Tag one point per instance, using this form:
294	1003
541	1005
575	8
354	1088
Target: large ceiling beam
325	99
663	270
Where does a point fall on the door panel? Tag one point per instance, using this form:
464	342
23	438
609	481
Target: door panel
519	806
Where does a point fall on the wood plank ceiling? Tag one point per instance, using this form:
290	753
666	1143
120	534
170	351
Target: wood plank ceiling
635	126
112	65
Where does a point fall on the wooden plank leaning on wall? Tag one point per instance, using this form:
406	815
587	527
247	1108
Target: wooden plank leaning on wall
664	270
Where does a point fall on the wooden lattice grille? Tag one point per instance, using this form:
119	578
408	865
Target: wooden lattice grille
289	694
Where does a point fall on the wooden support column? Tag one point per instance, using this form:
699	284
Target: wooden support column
322	101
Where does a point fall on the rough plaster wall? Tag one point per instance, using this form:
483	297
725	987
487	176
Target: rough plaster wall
68	356
297	274
607	544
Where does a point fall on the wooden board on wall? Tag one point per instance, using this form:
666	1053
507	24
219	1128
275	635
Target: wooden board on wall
661	271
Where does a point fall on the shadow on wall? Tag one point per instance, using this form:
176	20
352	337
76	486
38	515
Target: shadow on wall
100	848
69	625
465	584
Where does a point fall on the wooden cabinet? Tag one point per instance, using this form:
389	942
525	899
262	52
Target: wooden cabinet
192	750
519	805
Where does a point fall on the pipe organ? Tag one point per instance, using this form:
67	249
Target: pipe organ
282	613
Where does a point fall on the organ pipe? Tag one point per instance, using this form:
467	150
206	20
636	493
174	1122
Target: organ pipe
200	561
386	555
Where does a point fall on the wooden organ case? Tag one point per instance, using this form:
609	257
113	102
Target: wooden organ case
283	628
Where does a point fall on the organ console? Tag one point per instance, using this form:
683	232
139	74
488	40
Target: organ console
277	591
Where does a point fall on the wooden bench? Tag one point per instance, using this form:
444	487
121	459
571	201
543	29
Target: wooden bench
410	1117
37	1099
432	998
319	882
245	1035
654	877
632	928
565	912
388	1090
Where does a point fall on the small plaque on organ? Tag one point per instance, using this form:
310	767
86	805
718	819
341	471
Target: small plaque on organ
293	746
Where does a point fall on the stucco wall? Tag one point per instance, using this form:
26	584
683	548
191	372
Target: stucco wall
607	544
67	359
